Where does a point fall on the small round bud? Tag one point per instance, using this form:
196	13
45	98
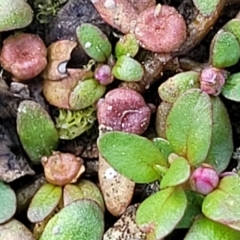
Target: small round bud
212	80
204	179
103	74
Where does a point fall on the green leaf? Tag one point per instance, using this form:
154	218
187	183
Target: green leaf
171	89
221	148
131	155
164	146
178	173
36	130
15	230
206	229
225	201
231	89
194	208
44	202
233	26
82	219
8	202
223	204
91	191
86	93
71	193
94	42
225	50
127	69
189	126
83	189
159	214
127	45
15	14
206	7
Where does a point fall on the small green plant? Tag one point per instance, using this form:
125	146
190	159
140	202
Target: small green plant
187	160
96	44
51	199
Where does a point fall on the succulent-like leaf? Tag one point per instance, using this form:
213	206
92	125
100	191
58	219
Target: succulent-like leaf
15	230
15	14
223	204
206	7
189	126
44	202
91	191
36	130
127	69
82	219
8	202
233	26
131	155
164	146
83	189
231	89
159	214
127	45
178	173
225	50
171	89
94	42
194	208
205	229
71	193
221	148
86	93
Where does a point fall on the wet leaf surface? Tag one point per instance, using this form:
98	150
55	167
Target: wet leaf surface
205	229
36	130
94	42
159	214
127	69
189	126
44	202
231	89
221	147
82	219
178	173
225	50
131	155
222	205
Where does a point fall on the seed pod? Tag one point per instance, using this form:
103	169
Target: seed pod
62	168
